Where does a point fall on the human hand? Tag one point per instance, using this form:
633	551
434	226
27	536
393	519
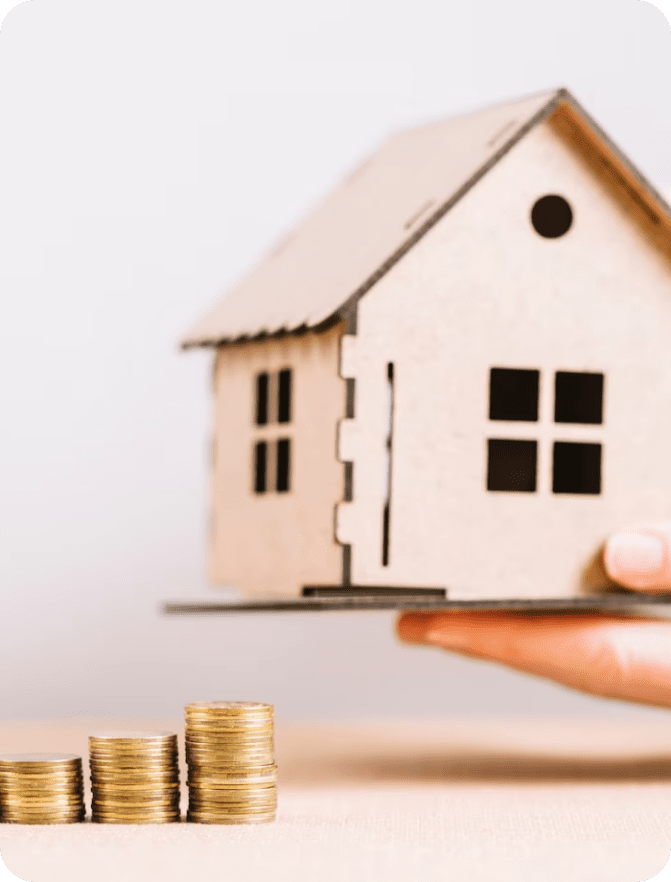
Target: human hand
605	654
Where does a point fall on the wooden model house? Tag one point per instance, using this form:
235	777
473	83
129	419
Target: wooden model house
455	374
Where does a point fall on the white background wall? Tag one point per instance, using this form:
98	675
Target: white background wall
150	150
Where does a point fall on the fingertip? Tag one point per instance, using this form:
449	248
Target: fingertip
413	627
637	559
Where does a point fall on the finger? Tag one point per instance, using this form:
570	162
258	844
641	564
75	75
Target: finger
641	558
603	655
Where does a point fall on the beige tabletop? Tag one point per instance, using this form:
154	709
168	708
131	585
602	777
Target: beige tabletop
465	800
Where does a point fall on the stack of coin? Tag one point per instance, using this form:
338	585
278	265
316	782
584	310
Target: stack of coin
134	778
230	756
41	788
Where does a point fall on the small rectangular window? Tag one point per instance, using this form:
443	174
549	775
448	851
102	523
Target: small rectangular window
511	465
283	475
261	411
260	467
284	396
576	468
513	394
578	398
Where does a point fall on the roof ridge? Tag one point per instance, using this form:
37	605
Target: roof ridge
315	274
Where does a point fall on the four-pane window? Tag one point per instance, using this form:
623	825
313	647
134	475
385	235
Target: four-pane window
271	458
512	463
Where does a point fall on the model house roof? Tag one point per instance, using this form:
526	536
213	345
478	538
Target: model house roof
335	255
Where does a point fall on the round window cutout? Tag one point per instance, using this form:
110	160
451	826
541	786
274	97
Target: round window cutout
551	217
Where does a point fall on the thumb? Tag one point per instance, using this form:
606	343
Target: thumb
641	557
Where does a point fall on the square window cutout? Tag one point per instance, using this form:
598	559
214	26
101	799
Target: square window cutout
578	398
511	465
576	468
513	394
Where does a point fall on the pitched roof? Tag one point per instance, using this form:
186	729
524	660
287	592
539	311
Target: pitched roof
335	255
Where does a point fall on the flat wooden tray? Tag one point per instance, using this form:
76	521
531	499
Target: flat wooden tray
316	601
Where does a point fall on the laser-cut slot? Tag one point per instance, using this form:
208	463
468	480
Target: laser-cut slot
348	493
349	398
389	444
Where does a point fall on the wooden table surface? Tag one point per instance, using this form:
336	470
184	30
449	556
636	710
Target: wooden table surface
468	800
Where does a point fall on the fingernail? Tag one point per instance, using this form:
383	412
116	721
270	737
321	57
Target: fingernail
634	555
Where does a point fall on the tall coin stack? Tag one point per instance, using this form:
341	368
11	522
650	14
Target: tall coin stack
41	788
231	762
134	778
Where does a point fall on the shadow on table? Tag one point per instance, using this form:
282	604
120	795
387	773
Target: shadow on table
413	765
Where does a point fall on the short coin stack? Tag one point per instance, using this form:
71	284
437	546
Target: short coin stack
134	778
230	755
41	788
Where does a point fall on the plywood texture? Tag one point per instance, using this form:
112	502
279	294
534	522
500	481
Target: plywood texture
426	260
339	251
482	289
377	210
274	543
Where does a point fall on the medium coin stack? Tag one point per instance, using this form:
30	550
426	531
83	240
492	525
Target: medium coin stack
41	788
231	762
134	778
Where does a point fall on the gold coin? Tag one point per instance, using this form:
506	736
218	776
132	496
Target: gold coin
150	755
119	768
133	785
228	764
197	794
232	781
131	807
239	754
24	773
129	748
133	737
203	818
228	747
230	811
138	765
222	758
225	728
20	817
227	731
46	790
257	773
135	776
228	707
171	818
229	800
225	718
41	799
146	799
39	762
133	810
